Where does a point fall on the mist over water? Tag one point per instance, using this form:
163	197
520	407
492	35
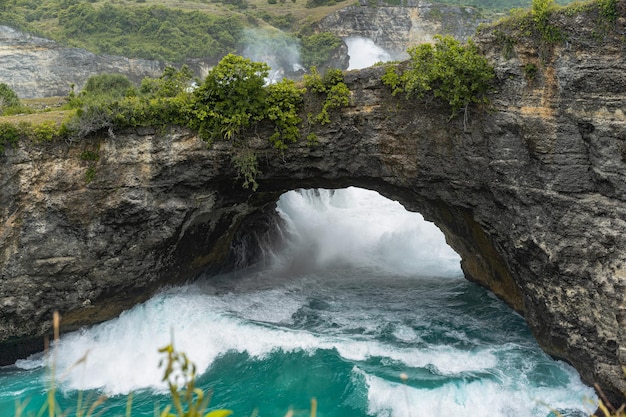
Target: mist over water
362	291
278	49
365	53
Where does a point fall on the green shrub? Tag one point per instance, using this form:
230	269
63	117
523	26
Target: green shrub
89	156
247	165
108	86
231	99
282	105
154	32
44	132
530	71
90	175
455	73
336	93
541	11
9	135
608	9
171	83
8	98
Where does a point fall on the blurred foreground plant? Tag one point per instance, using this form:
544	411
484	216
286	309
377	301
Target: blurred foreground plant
187	399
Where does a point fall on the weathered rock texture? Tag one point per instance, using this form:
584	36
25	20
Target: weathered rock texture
532	194
397	28
37	67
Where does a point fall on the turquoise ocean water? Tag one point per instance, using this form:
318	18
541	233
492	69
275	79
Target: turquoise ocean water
361	292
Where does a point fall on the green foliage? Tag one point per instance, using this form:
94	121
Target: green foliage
541	11
530	71
282	105
608	9
44	132
320	3
108	86
283	21
9	135
336	93
448	70
247	165
8	98
231	99
172	83
318	48
90	175
152	32
89	156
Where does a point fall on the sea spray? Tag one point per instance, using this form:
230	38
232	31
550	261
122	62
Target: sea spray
360	228
337	317
365	53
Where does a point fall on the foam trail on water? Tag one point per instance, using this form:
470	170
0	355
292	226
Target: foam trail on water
361	228
480	398
364	53
122	354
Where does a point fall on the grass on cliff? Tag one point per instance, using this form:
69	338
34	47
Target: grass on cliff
547	23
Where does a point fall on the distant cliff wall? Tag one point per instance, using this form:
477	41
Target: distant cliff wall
396	28
37	67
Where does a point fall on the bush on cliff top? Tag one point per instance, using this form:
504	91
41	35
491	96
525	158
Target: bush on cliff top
232	100
458	74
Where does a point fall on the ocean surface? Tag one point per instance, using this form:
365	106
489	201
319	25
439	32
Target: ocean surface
361	293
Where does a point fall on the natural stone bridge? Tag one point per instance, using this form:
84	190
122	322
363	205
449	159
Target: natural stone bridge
531	193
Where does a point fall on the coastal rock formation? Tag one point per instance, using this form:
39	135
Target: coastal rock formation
396	28
531	192
37	67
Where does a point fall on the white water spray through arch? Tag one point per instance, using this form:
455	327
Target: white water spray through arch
361	228
365	53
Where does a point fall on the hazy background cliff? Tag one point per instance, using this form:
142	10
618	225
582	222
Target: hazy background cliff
36	67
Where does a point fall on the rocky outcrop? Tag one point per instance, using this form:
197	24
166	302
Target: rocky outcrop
37	67
530	192
396	28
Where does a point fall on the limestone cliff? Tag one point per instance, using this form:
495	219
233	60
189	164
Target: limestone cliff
531	193
37	67
397	28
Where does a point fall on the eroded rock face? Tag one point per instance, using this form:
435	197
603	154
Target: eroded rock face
531	194
37	67
396	28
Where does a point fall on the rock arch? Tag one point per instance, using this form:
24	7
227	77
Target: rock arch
531	194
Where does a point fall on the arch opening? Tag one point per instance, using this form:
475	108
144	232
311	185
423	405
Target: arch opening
336	312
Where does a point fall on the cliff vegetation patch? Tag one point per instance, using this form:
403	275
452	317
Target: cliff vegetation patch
448	70
547	24
233	103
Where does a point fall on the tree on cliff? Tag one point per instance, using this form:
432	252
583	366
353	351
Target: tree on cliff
8	98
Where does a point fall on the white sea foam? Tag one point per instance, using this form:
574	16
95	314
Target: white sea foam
122	354
481	398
